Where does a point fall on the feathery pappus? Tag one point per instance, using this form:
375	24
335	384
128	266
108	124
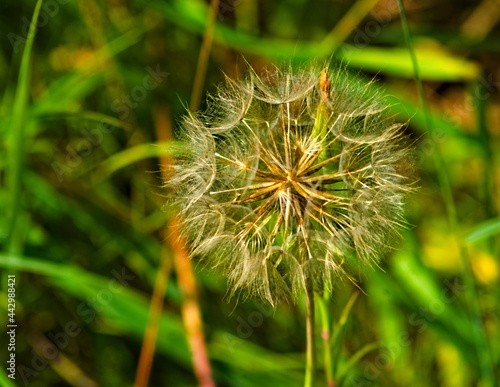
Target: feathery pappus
291	180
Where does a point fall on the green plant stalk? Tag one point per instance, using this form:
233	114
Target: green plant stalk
16	153
483	350
201	67
310	349
323	304
332	342
145	363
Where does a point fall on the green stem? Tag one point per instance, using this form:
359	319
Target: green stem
16	143
326	333
310	350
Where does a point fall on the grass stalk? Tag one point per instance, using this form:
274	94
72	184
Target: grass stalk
17	140
151	334
201	67
191	314
348	24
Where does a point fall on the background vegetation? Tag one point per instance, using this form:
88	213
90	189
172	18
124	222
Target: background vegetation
82	143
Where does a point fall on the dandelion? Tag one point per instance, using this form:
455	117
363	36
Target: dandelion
292	181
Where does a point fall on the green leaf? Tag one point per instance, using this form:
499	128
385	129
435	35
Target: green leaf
434	64
5	381
16	140
132	155
339	329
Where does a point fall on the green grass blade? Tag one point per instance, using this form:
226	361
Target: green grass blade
434	64
17	140
484	230
338	331
5	381
132	155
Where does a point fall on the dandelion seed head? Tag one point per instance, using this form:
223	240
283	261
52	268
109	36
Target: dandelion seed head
292	179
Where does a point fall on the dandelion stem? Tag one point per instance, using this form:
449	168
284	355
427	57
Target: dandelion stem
310	350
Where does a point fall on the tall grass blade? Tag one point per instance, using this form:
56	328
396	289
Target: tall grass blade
483	231
17	141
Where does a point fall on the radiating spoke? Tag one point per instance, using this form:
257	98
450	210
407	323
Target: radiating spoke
249	187
316	167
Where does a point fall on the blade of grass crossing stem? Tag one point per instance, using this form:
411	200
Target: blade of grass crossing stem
483	350
16	140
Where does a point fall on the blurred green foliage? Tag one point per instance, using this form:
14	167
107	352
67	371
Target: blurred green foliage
82	223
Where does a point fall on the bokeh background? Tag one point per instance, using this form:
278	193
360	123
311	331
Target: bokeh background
83	227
